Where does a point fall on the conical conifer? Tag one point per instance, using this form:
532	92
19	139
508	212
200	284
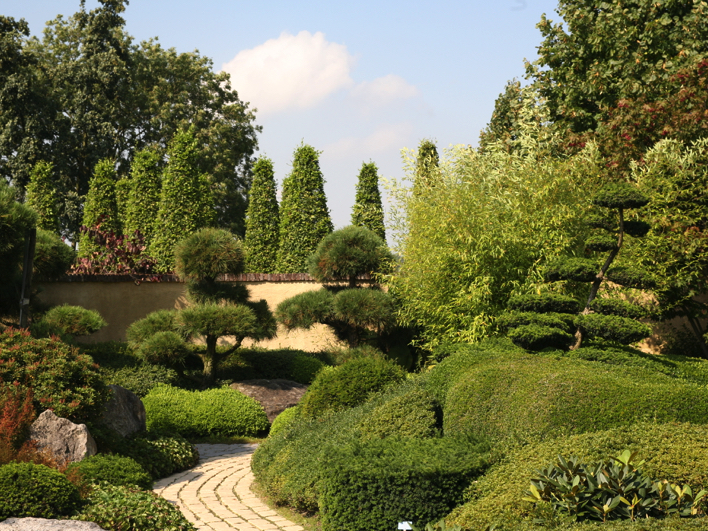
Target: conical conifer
304	216
426	167
186	203
100	206
262	220
144	195
41	196
367	211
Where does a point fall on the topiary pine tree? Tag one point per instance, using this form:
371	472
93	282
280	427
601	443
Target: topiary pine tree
41	196
304	216
540	321
217	309
186	204
144	194
100	206
426	167
367	211
262	220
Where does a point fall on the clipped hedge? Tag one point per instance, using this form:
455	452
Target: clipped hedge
222	411
414	414
676	451
576	269
254	363
142	378
374	485
539	337
618	307
114	469
283	420
29	490
630	278
612	328
348	385
510	320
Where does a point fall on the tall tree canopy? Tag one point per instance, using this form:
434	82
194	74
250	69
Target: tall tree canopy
85	91
262	220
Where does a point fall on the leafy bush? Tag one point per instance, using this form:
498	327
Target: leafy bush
637	229
576	269
222	411
538	337
305	309
164	348
140	379
254	363
376	484
71	321
619	195
208	253
114	469
117	508
544	303
305	368
29	490
601	243
16	416
52	257
60	377
677	452
618	307
507	321
613	328
348	385
283	420
413	414
631	277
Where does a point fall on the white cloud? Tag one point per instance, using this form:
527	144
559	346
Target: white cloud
386	137
290	72
384	91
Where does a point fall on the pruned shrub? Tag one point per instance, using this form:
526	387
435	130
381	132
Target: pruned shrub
365	308
601	243
119	508
208	253
305	309
283	420
613	328
140	379
114	469
254	363
375	485
348	385
60	377
71	321
638	229
222	411
304	369
576	269
539	337
163	348
619	195
544	303
52	257
618	307
414	414
511	320
29	490
631	278
151	324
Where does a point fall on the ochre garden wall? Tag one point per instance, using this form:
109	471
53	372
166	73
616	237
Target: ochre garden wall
121	301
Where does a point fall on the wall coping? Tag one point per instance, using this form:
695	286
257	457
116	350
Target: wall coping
243	277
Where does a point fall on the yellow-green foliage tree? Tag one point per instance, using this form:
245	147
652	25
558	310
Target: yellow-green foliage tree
367	211
262	220
101	206
144	194
40	196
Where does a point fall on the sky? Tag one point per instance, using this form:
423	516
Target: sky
359	81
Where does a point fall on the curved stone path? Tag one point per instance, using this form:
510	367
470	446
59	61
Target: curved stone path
216	494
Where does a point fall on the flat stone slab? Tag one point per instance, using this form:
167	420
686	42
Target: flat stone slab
275	395
42	524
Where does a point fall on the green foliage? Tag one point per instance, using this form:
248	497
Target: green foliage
575	269
40	196
72	321
539	337
186	203
144	193
140	379
601	220
414	414
101	207
611	490
163	348
485	233
348	385
201	413
613	328
305	309
618	307
364	308
284	420
262	220
29	490
502	128
113	469
52	257
208	253
304	216
60	377
375	485
601	243
516	396
638	229
217	320
619	195
670	451
544	303
367	210
255	363
508	321
348	253
121	508
631	277
427	172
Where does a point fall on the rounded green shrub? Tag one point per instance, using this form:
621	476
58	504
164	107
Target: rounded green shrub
283	420
73	320
29	490
163	348
544	303
52	257
677	452
613	328
575	269
305	309
304	369
598	220
619	195
631	278
254	363
121	508
539	337
618	307
637	229
365	308
414	414
208	253
140	379
348	385
154	322
601	243
113	469
510	320
222	411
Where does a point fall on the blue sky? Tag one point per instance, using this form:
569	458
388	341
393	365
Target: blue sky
357	80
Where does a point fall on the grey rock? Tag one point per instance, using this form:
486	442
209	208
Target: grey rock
66	441
274	395
42	524
125	412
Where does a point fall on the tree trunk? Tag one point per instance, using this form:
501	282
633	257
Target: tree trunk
209	360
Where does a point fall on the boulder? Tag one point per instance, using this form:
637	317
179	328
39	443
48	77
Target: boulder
274	395
125	412
66	441
42	524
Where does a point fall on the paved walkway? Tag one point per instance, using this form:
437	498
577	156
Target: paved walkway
216	494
